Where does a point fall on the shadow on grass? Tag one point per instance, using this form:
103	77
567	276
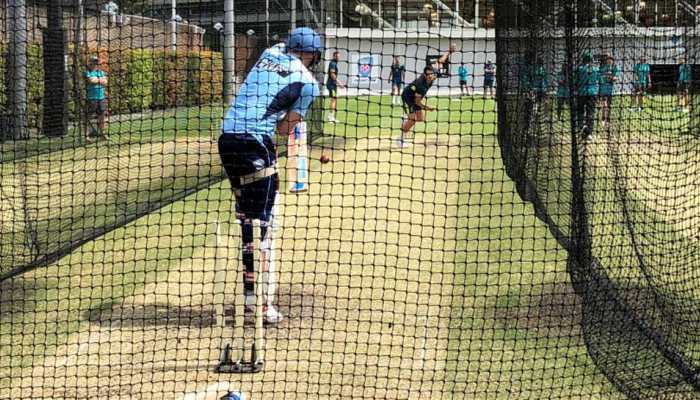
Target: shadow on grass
122	315
554	309
18	295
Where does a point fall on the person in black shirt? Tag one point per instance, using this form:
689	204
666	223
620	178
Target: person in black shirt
397	75
413	97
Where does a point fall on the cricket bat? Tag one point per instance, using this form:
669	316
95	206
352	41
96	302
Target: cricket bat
298	160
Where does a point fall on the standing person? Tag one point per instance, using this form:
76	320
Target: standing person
586	81
562	89
540	86
276	95
609	74
413	97
684	74
397	77
463	73
96	98
642	83
489	78
332	84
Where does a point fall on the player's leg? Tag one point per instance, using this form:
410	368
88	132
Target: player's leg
268	259
579	113
590	107
560	106
268	209
102	117
91	117
236	153
414	116
333	93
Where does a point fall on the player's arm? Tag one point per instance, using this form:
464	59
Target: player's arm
298	110
334	76
91	79
103	79
420	102
288	123
445	57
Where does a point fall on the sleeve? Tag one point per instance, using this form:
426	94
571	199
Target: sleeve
307	96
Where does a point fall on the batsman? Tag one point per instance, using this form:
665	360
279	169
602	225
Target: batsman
275	96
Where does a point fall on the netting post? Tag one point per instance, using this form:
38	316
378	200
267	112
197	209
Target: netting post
229	52
16	77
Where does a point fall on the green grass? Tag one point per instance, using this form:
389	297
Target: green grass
59	192
506	322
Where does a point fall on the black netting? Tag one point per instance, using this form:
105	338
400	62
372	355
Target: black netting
435	241
616	190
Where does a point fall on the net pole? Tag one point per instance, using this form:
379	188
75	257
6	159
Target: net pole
17	79
229	51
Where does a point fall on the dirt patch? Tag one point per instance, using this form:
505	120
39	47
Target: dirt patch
14	293
555	307
141	315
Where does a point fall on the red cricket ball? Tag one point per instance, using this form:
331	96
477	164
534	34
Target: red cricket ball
324	159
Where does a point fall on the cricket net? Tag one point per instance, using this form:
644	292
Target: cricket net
618	191
524	244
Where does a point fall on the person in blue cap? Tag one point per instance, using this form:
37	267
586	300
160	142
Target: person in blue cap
275	97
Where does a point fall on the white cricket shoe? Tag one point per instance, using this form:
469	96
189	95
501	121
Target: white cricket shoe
271	315
400	143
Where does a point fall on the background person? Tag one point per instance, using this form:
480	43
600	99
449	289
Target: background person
96	98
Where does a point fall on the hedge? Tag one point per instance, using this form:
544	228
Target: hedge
35	84
139	80
146	79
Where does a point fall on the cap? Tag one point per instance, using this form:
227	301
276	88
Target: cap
306	40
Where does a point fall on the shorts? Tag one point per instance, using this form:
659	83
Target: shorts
683	86
97	107
397	84
540	96
411	107
462	83
243	154
332	90
606	99
488	82
640	88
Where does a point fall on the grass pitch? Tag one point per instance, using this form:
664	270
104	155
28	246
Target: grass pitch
415	273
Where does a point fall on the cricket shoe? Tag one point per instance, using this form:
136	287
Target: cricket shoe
270	314
400	143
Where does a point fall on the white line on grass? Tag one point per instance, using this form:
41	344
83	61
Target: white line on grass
209	393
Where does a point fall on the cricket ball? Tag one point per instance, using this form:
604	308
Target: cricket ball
324	159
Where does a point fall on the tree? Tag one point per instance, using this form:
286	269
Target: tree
55	110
